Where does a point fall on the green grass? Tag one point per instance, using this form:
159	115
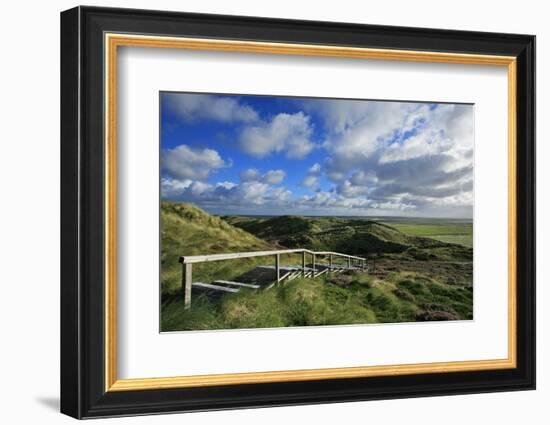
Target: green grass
418	275
187	230
455	232
358	236
328	300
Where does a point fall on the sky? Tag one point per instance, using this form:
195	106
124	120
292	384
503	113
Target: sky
272	155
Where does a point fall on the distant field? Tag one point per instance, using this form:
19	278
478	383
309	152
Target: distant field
455	231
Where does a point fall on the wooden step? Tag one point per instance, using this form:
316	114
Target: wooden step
284	276
211	287
239	284
294	275
321	272
285	268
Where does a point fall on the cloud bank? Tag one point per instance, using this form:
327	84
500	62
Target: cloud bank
332	157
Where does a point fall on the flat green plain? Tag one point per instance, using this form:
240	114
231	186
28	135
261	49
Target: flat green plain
449	231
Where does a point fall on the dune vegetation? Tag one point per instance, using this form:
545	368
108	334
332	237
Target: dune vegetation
410	277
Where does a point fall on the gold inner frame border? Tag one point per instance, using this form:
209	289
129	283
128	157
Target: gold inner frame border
112	41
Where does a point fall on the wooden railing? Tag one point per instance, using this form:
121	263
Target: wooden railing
188	261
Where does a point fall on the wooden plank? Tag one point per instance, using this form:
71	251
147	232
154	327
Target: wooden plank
338	254
187	262
244	285
235	255
277	268
187	282
292	268
320	273
283	277
214	287
283	268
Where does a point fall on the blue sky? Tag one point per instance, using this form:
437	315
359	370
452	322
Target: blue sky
272	155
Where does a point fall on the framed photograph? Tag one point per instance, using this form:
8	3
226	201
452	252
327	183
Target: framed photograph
261	212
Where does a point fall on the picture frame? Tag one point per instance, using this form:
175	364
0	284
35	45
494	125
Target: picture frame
90	40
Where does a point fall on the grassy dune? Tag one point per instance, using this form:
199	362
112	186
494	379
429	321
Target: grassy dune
357	298
418	239
415	278
187	230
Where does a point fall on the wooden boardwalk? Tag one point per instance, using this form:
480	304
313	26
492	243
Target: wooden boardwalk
264	277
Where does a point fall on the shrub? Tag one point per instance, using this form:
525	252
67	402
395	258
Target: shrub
414	287
305	302
253	310
404	294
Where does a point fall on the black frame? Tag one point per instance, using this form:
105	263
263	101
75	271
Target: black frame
82	203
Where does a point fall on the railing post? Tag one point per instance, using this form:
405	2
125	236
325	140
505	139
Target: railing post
187	283
330	262
303	264
313	264
278	267
349	262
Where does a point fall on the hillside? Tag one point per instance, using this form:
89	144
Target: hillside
413	279
188	230
350	235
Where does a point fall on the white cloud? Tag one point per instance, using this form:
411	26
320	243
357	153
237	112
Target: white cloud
335	176
250	193
281	196
348	190
198	188
424	144
364	178
257	197
272	177
314	169
332	201
172	188
191	107
184	162
226	194
392	206
364	135
289	133
418	152
226	185
250	174
317	200
447	129
310	181
380	158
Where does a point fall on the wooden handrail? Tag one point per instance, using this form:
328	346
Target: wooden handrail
189	259
338	254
